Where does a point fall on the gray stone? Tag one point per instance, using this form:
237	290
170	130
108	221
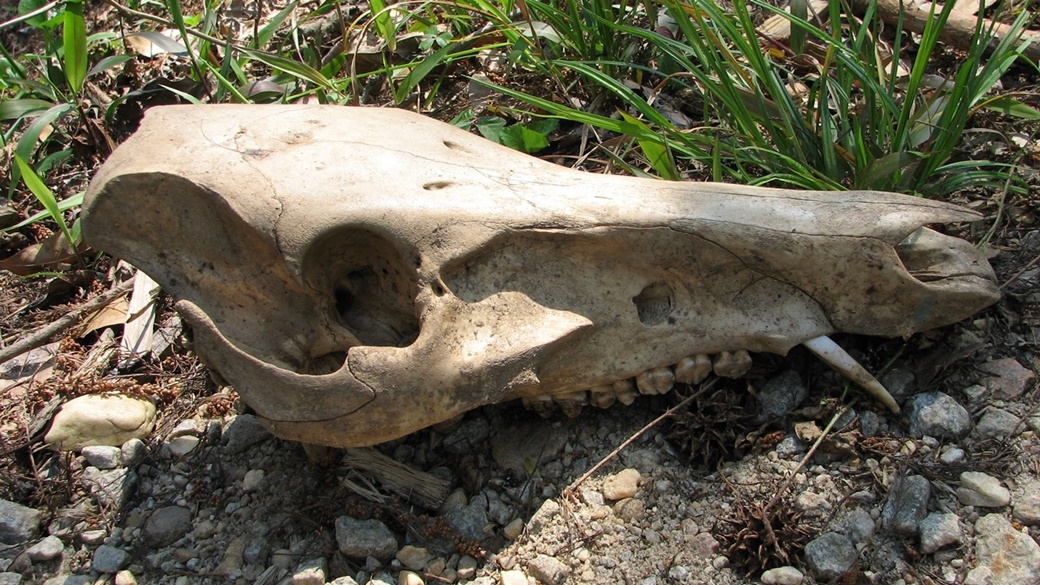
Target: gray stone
1008	379
519	449
998	424
899	382
70	580
469	520
311	572
782	576
358	539
869	423
94	419
256	551
166	526
18	523
343	581
938	530
109	559
467	568
242	433
102	456
1026	497
471	433
133	452
983	490
781	395
907	505
830	555
111	487
10	579
937	415
1007	556
857	524
46	549
548	570
413	558
790	446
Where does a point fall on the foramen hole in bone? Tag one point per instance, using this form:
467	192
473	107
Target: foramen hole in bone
377	272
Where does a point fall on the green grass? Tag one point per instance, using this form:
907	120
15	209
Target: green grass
827	110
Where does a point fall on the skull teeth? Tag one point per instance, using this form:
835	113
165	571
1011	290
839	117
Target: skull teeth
693	370
625	391
572	403
834	356
655	381
732	364
602	396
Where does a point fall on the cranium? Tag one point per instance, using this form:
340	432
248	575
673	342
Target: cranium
359	274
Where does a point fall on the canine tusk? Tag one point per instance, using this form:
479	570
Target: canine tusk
834	356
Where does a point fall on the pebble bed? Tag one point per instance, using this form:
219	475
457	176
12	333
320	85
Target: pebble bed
222	501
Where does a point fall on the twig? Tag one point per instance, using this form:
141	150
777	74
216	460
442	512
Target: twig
166	23
1020	272
47	333
29	15
574	484
812	451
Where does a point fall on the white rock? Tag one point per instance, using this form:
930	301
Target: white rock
621	485
980	489
182	445
125	577
310	572
100	420
513	578
514	529
46	549
103	456
413	557
252	480
409	578
782	576
938	530
467	567
1012	558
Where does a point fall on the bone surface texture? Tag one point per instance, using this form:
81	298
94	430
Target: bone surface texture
358	274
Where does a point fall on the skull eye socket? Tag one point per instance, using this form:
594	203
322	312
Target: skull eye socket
653	303
371	286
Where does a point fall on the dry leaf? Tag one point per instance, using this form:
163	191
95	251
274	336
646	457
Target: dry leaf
50	254
110	315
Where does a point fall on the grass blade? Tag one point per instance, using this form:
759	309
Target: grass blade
45	197
75	39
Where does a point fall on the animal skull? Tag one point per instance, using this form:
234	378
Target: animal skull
359	274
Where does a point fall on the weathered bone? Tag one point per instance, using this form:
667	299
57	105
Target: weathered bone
359	274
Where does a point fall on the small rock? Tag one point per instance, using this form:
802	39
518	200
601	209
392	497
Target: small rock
938	530
111	487
92	537
858	525
830	555
409	578
256	551
952	455
702	545
103	456
780	395
46	549
516	448
629	509
18	523
998	424
166	525
358	539
281	558
473	431
514	529
343	581
94	419
413	557
183	445
548	570
1008	556
467	567
109	559
70	580
242	433
252	481
899	382
469	520
980	489
133	452
125	577
310	572
231	562
1027	500
513	578
1008	378
782	576
907	505
938	415
621	485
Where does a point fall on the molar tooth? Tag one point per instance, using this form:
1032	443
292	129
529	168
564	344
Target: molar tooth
571	403
655	381
834	356
693	369
543	405
732	364
602	396
625	391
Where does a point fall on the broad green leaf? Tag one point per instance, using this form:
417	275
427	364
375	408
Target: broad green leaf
1012	107
63	206
75	44
27	6
108	63
420	71
44	195
268	30
384	24
27	143
654	147
14	109
301	70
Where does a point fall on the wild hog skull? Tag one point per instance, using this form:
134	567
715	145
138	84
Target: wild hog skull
359	274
